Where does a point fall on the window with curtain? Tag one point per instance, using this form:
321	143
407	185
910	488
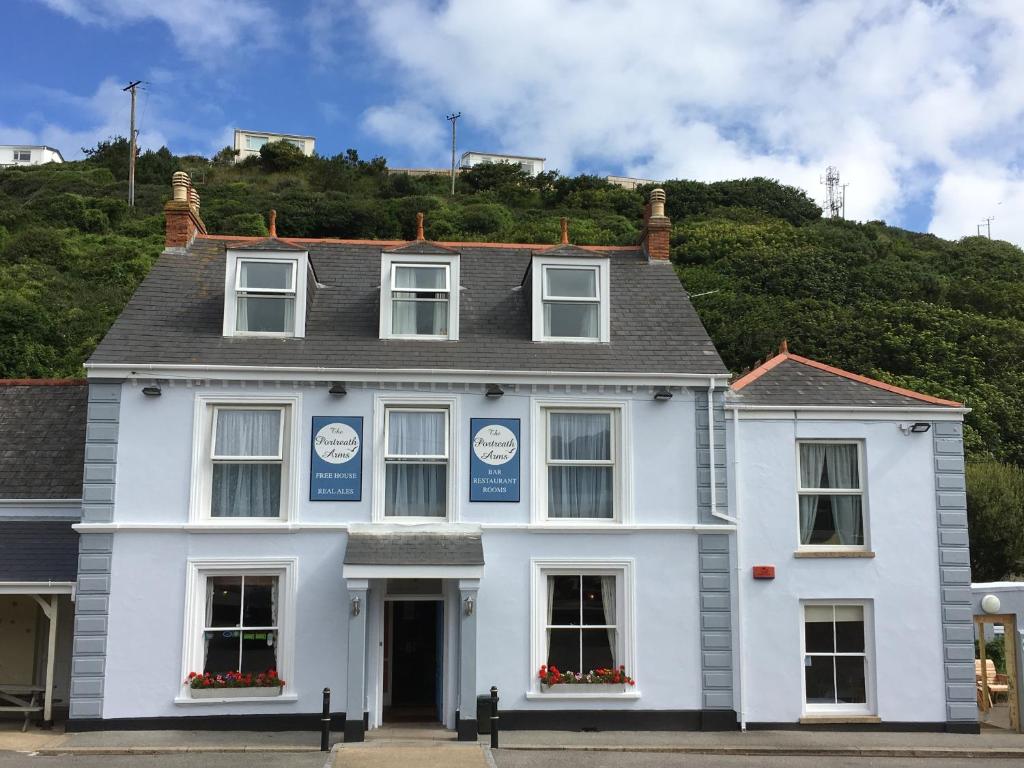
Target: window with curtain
265	296
835	661
255	143
831	494
571	300
419	299
581	464
416	462
240	632
580	622
248	460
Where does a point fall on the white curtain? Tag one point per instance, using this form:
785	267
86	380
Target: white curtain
551	605
416	488
608	601
267	314
846	512
423	317
580	491
812	464
571	319
242	489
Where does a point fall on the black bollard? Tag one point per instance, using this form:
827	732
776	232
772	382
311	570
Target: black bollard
494	717
325	722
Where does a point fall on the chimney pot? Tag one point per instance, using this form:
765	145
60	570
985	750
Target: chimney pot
419	226
657	202
193	199
180	183
565	231
273	223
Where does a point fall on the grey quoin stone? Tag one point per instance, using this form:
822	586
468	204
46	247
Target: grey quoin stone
88	660
954	572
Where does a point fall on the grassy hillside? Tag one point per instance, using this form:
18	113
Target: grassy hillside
943	317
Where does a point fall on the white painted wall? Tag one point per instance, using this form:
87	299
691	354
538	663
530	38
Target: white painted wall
900	582
40	155
532	165
308	143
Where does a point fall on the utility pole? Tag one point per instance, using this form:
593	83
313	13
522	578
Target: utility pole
843	198
988	226
452	118
131	143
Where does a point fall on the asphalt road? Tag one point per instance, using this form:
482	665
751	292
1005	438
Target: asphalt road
556	759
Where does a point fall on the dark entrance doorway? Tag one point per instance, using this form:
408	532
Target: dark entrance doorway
413	645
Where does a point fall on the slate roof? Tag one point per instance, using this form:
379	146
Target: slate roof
42	438
43	550
792	380
175	317
414	549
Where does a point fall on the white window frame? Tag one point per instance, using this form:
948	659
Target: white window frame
388	262
861	491
625	606
19	155
601	266
250	139
232	289
203	437
381	405
622	476
193	655
869	706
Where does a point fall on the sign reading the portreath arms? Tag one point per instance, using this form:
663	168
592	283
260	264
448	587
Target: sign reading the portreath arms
336	459
494	460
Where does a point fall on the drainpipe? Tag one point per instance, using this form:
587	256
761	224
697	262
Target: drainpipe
740	660
711	455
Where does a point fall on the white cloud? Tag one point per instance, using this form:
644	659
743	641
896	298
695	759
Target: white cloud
203	30
967	195
718	88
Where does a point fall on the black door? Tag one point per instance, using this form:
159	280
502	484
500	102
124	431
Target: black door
414	655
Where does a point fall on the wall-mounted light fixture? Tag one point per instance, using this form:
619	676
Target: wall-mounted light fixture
338	388
990	604
662	395
152	390
918	427
356	605
468	605
494	391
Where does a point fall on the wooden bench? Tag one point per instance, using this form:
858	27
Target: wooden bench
995	682
21	698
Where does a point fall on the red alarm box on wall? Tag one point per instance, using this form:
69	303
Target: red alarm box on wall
764	571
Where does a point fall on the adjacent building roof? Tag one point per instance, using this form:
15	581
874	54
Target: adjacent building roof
791	380
38	551
176	317
414	549
42	438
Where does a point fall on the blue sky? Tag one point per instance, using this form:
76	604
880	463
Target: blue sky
918	103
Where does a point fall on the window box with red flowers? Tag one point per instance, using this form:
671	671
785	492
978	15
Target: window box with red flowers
602	680
234	685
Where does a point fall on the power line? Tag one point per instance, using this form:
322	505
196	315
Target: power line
132	144
452	118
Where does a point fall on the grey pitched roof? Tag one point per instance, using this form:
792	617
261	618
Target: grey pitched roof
414	549
38	551
793	380
175	317
42	439
269	244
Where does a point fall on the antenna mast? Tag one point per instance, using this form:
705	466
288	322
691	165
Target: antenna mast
452	118
132	145
835	193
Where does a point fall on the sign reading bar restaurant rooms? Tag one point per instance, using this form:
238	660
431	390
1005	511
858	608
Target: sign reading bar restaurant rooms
336	459
494	460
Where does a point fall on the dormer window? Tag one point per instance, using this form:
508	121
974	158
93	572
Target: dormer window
419	297
265	296
570	299
265	292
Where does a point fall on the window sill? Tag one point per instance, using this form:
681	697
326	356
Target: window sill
284	698
833	553
838	719
624	695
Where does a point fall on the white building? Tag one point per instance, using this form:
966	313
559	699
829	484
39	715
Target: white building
532	165
409	471
248	143
26	154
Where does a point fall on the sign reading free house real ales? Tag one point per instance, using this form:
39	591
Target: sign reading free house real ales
336	459
494	460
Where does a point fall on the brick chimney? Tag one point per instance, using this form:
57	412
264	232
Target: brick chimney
181	213
657	227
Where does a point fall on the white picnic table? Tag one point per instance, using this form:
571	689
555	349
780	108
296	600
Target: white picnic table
21	698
